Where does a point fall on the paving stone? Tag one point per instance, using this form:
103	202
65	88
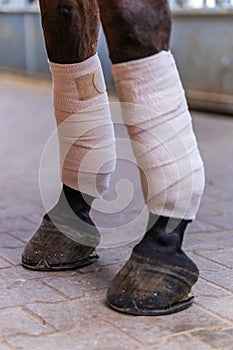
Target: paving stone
206	289
23	273
181	342
13	275
207	241
225	180
205	213
114	255
152	330
18	226
198	226
27	292
224	220
109	256
17	210
7	278
90	335
222	193
13	255
66	314
6	241
98	266
218	339
194	241
76	286
223	278
221	306
2	213
3	264
214	204
205	264
16	321
221	256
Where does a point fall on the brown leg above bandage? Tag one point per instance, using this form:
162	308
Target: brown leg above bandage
71	29
141	28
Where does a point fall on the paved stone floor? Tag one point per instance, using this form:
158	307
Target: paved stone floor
66	310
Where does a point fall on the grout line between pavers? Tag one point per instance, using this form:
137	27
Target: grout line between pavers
196	250
120	331
23	218
216	315
82	297
15	237
38	318
4	342
221	231
216	285
101	267
42	302
215	225
30	221
202	342
41	335
214	330
158	345
66	297
8	262
31	303
226	268
32	336
12	248
166	338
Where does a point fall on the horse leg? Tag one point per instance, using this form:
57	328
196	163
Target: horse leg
67	236
159	276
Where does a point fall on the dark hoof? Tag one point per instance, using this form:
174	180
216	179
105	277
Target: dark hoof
153	286
44	266
51	250
179	306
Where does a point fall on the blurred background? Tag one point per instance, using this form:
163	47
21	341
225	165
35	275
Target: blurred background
201	42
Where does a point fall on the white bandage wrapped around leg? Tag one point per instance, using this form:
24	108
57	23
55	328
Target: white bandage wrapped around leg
162	135
85	129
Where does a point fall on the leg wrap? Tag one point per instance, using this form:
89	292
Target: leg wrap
85	129
162	135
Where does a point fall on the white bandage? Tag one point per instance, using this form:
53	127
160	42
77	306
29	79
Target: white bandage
162	135
85	129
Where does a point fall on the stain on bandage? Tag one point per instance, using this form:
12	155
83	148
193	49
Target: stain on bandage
90	85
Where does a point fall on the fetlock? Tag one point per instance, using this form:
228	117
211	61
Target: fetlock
79	203
163	240
71	216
